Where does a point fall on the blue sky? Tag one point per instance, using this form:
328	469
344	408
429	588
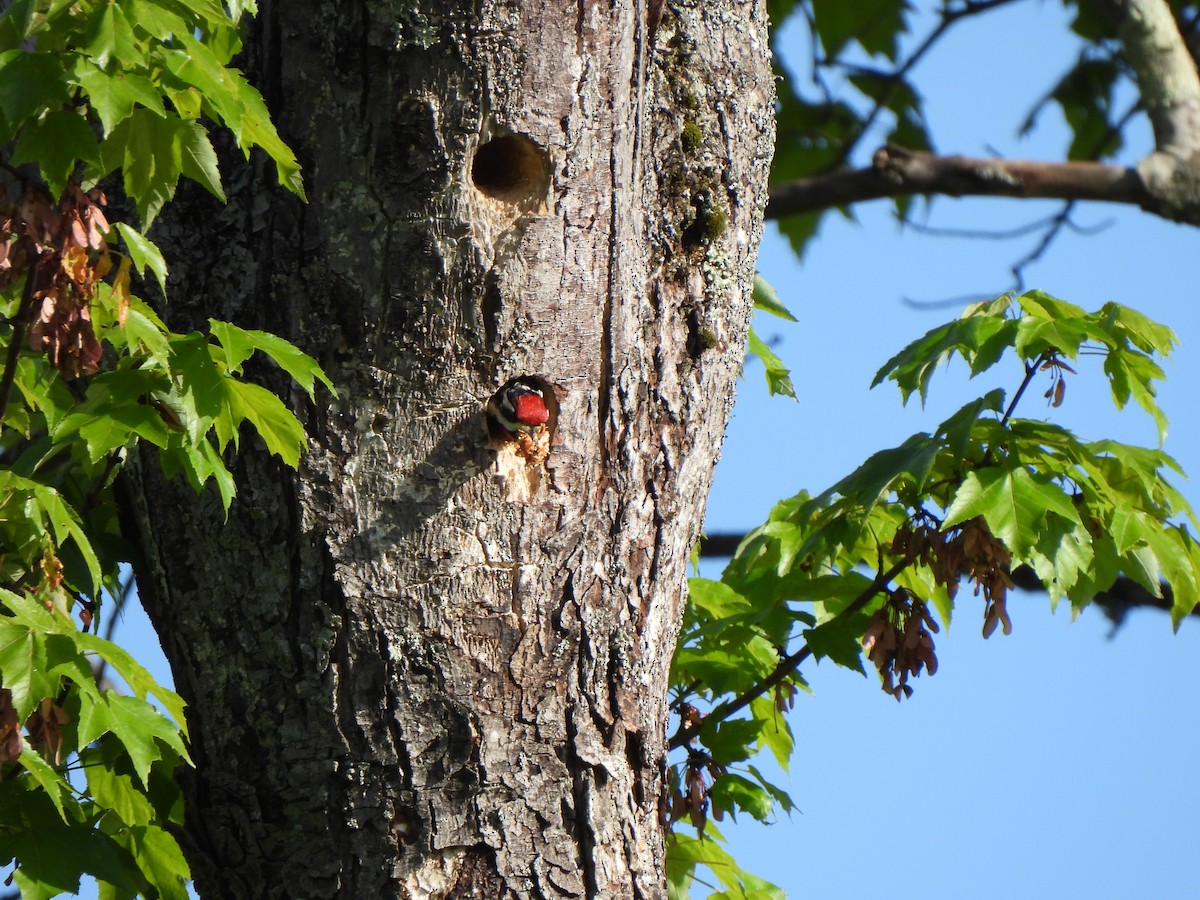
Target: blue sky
1054	763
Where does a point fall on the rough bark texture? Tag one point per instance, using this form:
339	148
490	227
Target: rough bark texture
418	669
1170	92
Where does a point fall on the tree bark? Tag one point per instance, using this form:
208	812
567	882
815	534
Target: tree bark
422	668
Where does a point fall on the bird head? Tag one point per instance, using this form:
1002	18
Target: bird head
520	408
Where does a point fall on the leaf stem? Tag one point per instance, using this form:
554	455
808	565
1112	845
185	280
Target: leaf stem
1030	371
110	466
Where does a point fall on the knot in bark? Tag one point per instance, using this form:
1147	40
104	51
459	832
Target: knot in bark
1173	185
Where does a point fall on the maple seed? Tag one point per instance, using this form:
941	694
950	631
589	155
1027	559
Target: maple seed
898	642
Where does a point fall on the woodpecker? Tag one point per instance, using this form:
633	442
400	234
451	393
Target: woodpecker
518	408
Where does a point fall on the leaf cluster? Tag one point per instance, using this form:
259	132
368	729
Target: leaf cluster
869	566
90	88
89	787
685	853
123	91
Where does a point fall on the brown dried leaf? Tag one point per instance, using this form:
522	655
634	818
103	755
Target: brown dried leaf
76	265
52	571
10	729
45	730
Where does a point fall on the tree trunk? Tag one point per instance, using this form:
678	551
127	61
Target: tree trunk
422	667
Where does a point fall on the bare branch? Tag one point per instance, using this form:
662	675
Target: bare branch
1165	183
1008	234
1169	86
897	172
1048	237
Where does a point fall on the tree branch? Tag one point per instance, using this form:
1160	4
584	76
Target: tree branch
897	172
1166	183
1170	90
948	18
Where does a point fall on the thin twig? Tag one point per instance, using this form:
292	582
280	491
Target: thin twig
959	301
1063	218
1004	234
1030	371
1058	223
949	17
